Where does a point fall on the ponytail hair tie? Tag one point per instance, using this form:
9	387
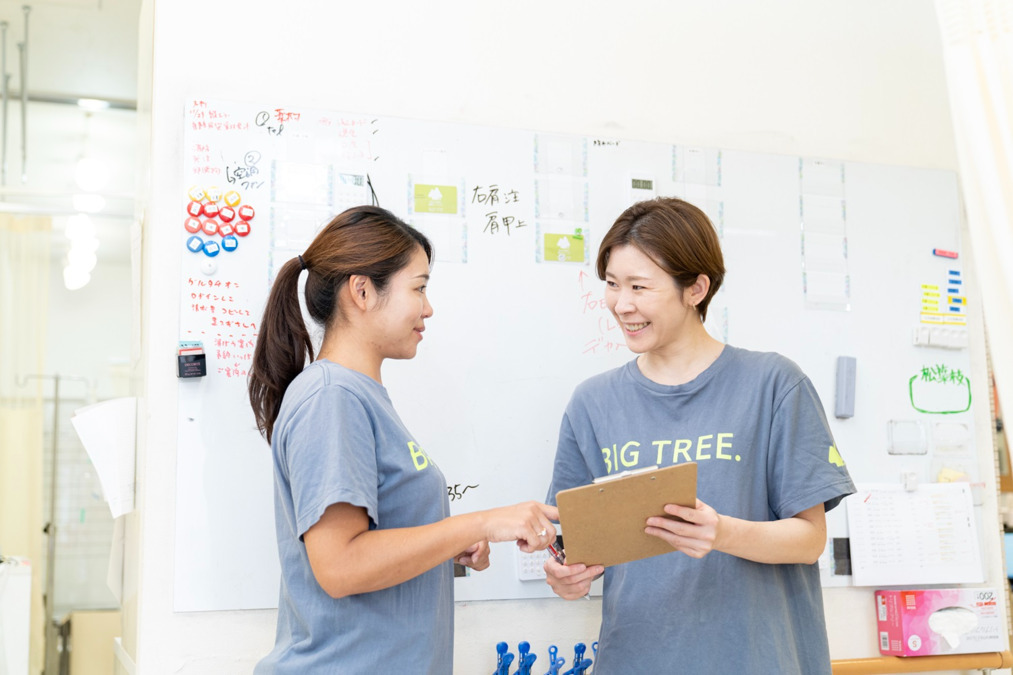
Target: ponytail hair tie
302	263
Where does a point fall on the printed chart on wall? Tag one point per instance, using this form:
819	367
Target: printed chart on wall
818	264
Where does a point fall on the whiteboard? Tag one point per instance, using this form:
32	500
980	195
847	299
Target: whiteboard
825	258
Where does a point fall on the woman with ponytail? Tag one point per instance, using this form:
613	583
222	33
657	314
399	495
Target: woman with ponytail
365	538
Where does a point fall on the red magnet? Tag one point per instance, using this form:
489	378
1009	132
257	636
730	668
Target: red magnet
226	213
192	225
210	209
210	227
226	229
193	209
246	212
242	228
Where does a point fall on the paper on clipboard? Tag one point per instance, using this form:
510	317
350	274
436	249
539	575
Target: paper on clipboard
603	523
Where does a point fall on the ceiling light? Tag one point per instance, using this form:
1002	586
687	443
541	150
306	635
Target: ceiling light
85	244
92	104
82	260
79	226
74	278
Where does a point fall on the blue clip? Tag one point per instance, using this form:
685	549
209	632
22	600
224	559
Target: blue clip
554	663
580	668
578	653
501	650
525	659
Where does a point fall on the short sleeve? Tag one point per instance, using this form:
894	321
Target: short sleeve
569	469
804	466
330	456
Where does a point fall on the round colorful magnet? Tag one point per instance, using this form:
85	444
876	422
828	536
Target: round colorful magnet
210	227
226	213
195	244
213	193
211	248
232	198
192	225
226	229
210	209
230	243
193	209
246	212
242	228
196	193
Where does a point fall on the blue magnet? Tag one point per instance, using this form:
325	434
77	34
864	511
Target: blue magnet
230	243
195	244
211	248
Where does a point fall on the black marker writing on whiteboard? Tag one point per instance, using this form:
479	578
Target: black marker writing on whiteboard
456	492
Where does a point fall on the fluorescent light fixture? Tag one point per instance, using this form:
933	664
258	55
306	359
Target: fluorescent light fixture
93	104
89	203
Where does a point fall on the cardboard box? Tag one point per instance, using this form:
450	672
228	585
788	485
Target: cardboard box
940	621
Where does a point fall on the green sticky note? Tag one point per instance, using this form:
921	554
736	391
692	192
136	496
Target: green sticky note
564	248
435	198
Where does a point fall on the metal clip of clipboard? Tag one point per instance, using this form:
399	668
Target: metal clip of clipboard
624	474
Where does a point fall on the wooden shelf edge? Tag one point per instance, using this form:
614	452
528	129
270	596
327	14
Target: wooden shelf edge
922	664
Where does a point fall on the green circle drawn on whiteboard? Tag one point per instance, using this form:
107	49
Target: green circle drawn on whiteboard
911	394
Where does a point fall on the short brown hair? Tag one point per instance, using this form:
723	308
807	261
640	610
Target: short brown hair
676	235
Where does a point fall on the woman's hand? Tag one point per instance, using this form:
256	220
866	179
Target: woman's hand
695	534
571	581
528	523
475	556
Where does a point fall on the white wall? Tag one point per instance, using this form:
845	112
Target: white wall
860	80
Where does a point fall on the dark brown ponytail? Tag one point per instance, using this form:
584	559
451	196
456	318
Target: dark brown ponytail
364	240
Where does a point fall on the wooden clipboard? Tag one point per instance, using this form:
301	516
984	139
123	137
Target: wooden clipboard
603	523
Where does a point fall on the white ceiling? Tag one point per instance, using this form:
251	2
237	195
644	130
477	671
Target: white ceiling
75	49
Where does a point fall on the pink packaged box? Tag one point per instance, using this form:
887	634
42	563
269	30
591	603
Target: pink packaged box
939	621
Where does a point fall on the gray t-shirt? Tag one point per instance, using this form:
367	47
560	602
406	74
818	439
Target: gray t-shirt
756	428
338	439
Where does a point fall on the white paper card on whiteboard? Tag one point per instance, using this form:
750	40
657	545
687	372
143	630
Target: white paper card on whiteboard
822	177
909	537
701	166
560	155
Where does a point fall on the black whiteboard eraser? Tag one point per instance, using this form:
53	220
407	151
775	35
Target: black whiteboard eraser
844	402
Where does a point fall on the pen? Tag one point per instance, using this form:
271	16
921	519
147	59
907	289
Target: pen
559	555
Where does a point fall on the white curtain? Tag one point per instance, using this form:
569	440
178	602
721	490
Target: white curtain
24	302
978	56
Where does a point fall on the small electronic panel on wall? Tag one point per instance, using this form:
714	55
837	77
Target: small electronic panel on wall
821	268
